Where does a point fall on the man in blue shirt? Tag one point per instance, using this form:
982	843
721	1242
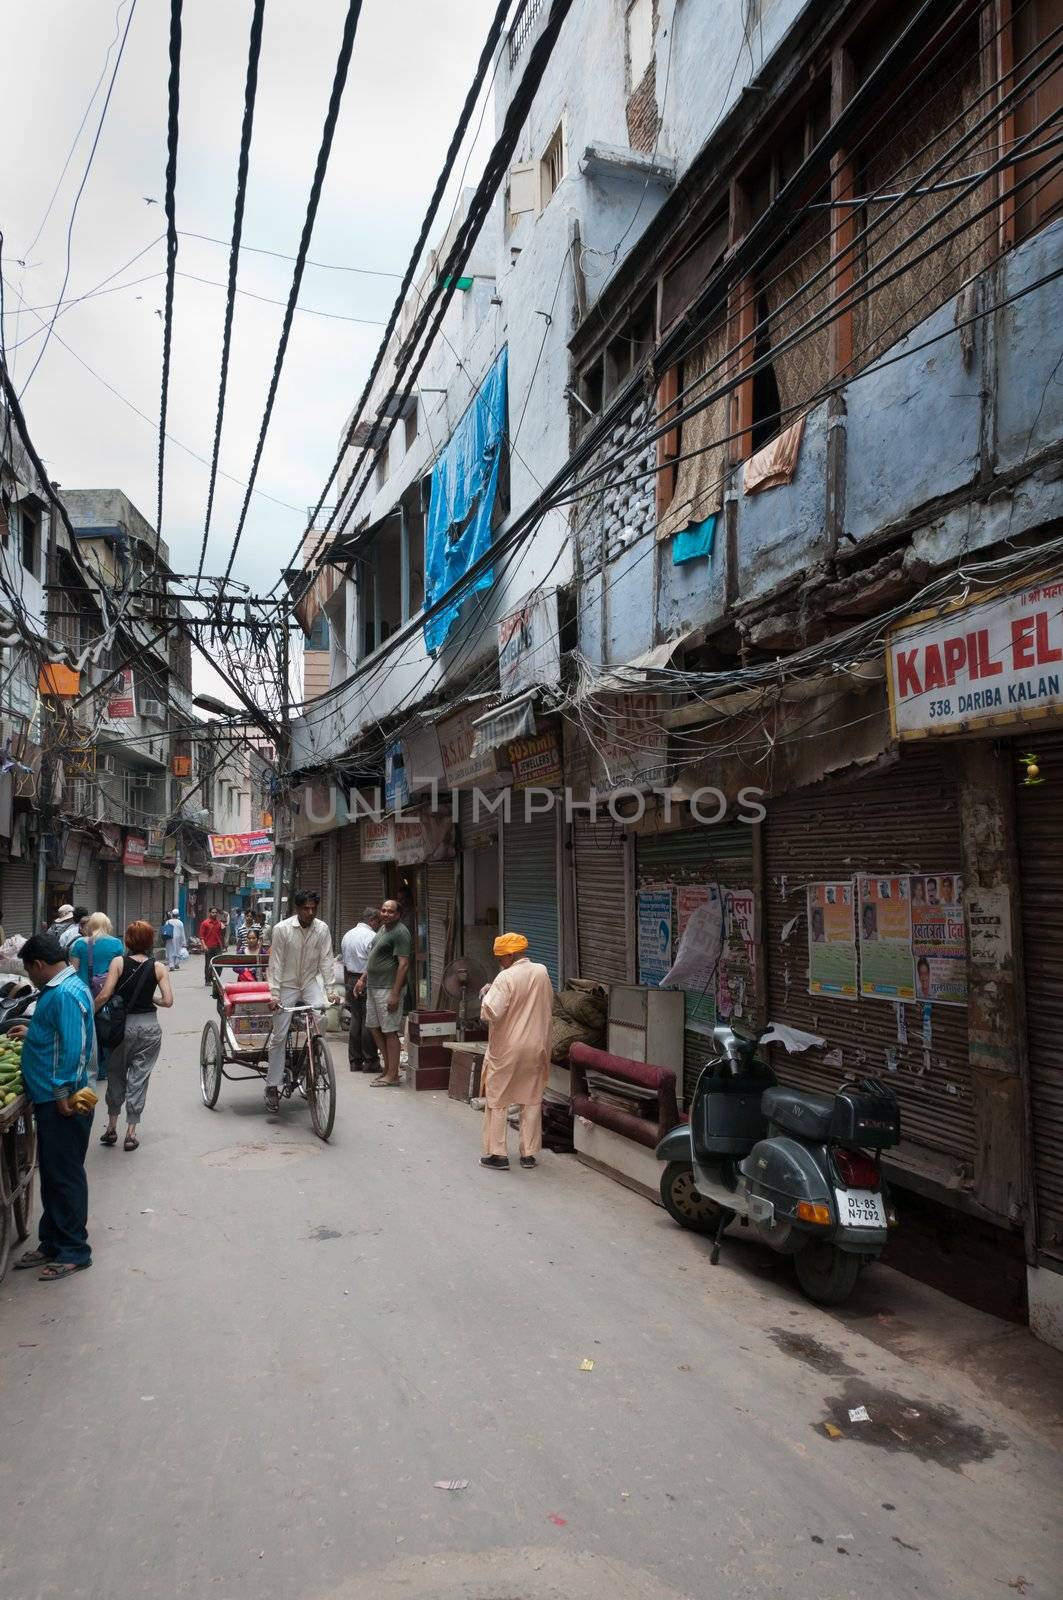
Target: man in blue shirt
58	1056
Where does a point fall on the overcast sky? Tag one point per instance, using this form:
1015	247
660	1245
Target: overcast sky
413	61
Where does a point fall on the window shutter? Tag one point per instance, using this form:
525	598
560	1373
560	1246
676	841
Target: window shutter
523	188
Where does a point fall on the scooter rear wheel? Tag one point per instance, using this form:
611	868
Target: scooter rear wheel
826	1274
682	1201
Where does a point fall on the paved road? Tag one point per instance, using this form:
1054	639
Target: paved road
281	1347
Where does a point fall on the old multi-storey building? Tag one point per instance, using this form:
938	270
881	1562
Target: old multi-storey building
730	490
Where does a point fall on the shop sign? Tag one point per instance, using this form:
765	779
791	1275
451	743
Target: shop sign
457	738
536	761
135	849
996	661
376	840
224	845
529	649
154	848
121	703
629	739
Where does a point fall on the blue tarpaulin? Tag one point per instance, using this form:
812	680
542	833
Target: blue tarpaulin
464	481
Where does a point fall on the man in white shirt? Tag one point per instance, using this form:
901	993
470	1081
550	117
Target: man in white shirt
354	949
299	973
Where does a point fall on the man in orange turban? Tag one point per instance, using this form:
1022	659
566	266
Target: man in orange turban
518	1007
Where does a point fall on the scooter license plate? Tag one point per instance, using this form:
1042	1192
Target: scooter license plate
860	1208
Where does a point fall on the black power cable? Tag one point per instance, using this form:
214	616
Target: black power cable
81	188
250	91
426	326
491	43
172	127
343	62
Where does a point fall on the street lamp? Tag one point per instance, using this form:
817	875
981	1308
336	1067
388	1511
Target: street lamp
210	702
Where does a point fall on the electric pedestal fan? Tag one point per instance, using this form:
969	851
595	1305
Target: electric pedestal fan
462	981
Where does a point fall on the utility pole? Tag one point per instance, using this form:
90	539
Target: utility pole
284	767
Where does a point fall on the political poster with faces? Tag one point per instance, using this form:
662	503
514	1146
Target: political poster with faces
887	968
832	940
939	938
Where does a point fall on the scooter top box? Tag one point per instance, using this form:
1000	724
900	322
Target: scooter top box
866	1120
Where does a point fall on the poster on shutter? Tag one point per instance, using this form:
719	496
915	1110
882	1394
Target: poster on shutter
655	934
887	970
939	938
832	940
737	986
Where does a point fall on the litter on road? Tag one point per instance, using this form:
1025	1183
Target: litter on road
859	1414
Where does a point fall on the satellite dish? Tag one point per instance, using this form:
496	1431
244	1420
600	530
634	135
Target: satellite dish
462	981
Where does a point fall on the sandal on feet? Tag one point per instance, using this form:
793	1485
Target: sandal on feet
110	1137
61	1269
32	1258
385	1083
131	1142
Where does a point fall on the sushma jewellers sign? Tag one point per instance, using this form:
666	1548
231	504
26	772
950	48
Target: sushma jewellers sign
987	663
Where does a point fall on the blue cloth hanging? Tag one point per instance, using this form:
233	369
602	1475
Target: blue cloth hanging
464	484
697	540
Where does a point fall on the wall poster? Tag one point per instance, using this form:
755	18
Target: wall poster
832	940
655	933
699	932
939	938
887	969
737	985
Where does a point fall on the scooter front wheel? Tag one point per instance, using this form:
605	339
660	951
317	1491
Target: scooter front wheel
682	1201
826	1274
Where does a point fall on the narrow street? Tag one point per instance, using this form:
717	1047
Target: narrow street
282	1347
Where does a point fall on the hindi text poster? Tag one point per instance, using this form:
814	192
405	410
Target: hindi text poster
887	970
832	940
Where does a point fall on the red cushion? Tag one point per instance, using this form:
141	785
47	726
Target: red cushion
244	992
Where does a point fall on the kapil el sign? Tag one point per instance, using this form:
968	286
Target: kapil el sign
993	661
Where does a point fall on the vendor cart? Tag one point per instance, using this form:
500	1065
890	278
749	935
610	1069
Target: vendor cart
18	1163
236	1045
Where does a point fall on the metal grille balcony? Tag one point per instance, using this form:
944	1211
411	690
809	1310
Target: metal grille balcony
523	24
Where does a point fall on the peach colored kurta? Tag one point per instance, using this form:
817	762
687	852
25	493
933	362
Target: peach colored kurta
519	1007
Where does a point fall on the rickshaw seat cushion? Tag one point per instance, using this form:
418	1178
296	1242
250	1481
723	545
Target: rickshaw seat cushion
244	992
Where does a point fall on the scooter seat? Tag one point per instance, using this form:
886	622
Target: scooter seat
800	1111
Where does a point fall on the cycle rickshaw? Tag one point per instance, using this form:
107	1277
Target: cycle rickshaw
236	1046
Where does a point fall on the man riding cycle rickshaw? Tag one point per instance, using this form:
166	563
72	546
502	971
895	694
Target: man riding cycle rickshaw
300	973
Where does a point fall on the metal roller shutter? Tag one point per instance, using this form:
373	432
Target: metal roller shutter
604	920
360	882
721	855
529	887
475	835
18	886
906	820
134	900
308	868
440	877
1041	860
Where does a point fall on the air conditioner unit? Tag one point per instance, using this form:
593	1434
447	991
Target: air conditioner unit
154	709
140	780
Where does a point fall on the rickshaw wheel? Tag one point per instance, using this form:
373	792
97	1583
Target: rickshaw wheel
210	1064
321	1087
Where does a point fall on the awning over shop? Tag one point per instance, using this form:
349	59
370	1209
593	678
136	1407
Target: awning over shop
514	719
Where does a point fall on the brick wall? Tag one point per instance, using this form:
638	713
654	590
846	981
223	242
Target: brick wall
643	119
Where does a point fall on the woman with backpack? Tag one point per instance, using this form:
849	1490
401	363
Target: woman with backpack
125	1008
91	956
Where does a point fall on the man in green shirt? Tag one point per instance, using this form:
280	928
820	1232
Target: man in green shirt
383	983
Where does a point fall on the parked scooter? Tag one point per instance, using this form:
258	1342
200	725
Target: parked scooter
18	1000
801	1168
